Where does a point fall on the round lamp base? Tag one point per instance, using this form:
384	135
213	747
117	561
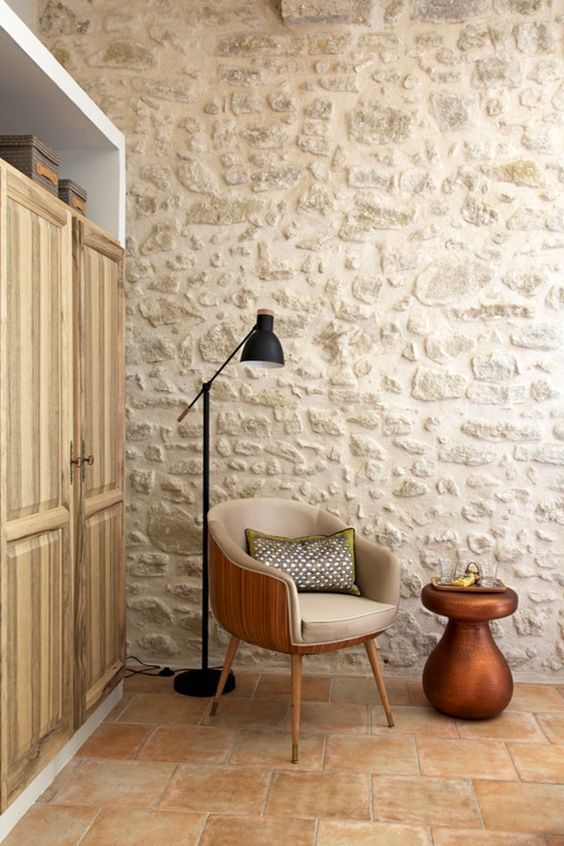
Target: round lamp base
201	682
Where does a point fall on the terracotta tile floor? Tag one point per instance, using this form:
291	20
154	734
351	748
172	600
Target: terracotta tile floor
159	770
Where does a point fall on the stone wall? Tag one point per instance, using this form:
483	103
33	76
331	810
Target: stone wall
392	188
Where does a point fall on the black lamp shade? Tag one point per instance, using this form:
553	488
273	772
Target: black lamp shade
263	349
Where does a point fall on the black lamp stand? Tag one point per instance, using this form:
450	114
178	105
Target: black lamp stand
203	681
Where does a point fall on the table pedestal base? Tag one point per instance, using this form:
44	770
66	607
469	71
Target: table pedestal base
466	675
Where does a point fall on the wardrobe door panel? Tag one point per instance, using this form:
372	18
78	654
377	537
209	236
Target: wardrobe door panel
36	509
103	568
102	371
98	263
35	354
38	654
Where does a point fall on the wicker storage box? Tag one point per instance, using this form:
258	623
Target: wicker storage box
34	158
73	195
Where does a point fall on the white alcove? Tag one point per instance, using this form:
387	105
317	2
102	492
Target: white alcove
38	97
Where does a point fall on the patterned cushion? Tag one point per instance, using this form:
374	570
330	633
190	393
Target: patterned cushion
316	563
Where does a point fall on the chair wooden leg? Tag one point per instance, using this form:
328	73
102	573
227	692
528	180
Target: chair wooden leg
372	653
296	701
229	656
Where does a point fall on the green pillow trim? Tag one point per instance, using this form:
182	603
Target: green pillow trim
317	563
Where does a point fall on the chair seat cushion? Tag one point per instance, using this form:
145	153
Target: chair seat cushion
330	617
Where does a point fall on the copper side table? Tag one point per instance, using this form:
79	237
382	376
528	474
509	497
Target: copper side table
466	675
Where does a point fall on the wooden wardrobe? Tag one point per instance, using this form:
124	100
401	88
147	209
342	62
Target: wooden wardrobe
61	475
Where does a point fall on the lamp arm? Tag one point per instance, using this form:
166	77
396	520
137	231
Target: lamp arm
206	385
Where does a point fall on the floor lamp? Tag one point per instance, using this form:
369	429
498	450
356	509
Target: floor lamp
261	348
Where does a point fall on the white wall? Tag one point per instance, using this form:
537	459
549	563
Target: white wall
25	9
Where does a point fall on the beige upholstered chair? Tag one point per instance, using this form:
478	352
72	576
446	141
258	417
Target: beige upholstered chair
260	604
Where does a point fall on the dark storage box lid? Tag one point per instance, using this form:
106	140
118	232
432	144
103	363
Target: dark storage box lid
26	141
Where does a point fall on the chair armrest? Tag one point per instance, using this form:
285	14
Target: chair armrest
259	594
377	572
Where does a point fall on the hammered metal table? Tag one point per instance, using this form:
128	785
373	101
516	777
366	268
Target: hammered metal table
466	675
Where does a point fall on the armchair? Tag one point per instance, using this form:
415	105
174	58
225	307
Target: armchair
260	604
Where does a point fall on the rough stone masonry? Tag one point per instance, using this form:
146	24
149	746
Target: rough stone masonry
390	181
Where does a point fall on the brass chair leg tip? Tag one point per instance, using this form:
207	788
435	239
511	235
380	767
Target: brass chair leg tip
213	709
295	753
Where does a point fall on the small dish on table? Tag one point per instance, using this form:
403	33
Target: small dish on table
490	586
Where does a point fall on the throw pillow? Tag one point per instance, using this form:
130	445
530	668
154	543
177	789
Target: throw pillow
316	562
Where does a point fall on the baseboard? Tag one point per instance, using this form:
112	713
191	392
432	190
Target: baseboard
41	782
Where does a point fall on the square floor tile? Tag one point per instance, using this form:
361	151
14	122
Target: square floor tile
325	795
188	744
424	722
60	780
145	683
274	749
145	828
47	825
257	831
115	740
536	697
538	761
465	837
465	759
510	725
245	684
136	784
165	708
314	688
416	695
327	716
333	833
218	790
249	713
425	801
118	709
553	726
362	690
393	755
521	807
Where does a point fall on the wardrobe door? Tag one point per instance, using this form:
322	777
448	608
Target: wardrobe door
99	345
36	574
